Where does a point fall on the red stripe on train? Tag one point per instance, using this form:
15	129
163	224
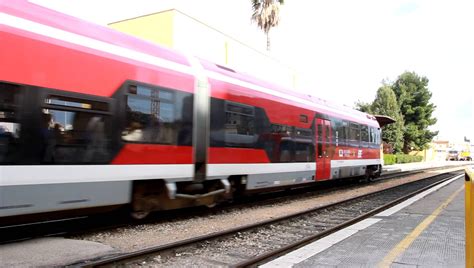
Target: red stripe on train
83	71
170	154
236	156
154	154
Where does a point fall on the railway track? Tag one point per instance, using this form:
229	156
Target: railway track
74	226
256	243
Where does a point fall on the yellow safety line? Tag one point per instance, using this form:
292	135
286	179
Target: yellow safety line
405	243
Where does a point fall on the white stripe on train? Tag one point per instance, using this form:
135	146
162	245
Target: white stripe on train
51	174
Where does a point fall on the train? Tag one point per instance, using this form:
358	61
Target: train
94	118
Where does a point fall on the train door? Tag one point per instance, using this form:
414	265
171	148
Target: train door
323	144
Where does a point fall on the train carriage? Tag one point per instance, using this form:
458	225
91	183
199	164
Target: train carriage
90	117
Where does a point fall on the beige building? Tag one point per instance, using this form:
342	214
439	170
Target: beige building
437	151
177	30
440	150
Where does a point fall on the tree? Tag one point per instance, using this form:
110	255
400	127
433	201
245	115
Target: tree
385	103
365	107
266	13
413	97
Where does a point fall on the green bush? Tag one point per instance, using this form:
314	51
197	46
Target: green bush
405	158
390	159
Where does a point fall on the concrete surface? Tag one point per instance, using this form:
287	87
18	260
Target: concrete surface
441	244
50	252
423	165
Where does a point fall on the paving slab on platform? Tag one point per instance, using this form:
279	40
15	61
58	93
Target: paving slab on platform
441	244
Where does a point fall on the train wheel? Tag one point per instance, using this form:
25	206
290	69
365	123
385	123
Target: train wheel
139	215
371	178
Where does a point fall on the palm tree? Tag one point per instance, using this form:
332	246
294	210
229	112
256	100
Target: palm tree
266	13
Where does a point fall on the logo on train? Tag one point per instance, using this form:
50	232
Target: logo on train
345	153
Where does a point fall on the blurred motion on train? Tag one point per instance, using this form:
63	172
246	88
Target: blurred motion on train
94	118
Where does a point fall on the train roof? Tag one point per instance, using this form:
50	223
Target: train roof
22	11
286	93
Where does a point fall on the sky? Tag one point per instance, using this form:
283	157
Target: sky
342	50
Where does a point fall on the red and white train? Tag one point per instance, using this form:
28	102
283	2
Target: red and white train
91	117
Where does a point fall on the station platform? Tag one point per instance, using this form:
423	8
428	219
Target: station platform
422	165
425	231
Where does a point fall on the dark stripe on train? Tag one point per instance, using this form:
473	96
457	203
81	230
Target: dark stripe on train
17	206
74	201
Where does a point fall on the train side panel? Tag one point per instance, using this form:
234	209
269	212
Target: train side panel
254	121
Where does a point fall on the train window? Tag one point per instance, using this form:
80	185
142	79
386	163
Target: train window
74	130
239	125
140	90
345	131
245	126
377	137
158	115
371	131
373	137
286	147
282	129
320	140
237	108
354	132
303	152
328	133
303	140
303	118
9	125
364	134
76	103
328	140
300	132
342	132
